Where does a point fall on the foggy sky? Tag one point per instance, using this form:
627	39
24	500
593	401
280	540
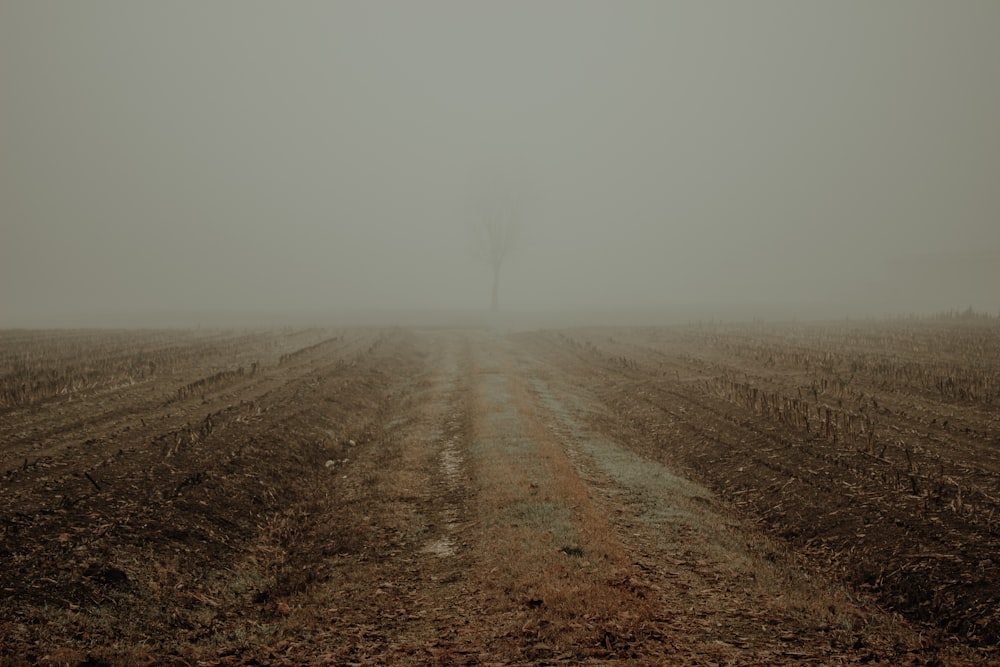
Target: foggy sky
807	158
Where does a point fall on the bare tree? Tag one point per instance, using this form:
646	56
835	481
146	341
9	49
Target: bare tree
500	217
505	196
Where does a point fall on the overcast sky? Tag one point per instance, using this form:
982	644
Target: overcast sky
821	157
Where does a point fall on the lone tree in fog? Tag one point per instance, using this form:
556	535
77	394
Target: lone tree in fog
500	216
504	196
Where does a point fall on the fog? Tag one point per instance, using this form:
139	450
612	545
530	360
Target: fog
189	162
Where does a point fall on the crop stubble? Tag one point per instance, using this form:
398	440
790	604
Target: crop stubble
463	497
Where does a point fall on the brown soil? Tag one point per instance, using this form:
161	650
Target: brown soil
460	497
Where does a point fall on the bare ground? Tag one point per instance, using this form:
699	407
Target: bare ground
438	497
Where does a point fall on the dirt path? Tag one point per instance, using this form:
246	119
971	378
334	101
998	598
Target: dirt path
488	514
538	540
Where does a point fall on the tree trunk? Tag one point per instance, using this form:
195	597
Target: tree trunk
495	306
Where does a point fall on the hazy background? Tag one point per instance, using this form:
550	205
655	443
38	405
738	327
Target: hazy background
184	162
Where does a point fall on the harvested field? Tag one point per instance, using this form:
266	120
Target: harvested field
711	494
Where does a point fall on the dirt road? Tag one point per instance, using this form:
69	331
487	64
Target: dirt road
440	497
555	543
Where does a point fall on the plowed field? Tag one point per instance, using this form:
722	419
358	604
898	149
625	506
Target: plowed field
695	495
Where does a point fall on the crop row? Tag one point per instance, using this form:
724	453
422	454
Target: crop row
37	366
974	380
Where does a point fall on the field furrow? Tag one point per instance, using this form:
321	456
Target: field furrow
661	496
